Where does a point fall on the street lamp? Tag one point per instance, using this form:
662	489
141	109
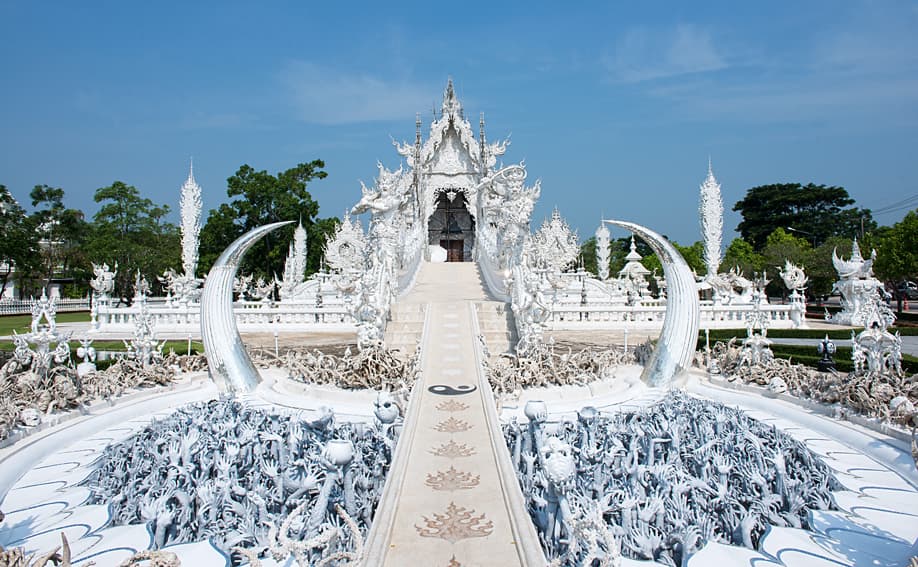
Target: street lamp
810	234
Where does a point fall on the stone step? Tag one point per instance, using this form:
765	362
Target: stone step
493	325
404	326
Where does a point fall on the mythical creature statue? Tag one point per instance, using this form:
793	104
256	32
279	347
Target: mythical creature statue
794	278
144	346
43	332
732	287
104	282
875	350
182	288
858	287
387	197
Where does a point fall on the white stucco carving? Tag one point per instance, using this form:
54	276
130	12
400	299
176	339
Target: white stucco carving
602	252
185	288
711	209
859	289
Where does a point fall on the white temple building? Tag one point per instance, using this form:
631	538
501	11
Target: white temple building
448	201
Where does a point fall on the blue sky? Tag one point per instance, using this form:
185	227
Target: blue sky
615	106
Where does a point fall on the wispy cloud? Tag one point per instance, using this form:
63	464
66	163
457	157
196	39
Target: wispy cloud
862	69
644	54
325	95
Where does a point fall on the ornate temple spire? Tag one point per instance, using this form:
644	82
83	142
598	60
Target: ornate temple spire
190	206
633	255
711	209
633	268
451	106
856	251
481	137
295	265
602	251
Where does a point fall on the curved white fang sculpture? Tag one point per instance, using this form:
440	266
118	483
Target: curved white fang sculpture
679	336
227	361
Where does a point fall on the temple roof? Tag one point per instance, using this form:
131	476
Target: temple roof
633	267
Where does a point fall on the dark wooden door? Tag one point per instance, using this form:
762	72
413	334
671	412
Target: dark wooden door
454	250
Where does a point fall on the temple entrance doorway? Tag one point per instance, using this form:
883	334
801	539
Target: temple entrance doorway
452	227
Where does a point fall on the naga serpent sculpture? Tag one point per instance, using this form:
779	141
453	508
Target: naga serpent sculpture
227	361
676	346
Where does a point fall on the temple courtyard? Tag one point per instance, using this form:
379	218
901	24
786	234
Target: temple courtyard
454	389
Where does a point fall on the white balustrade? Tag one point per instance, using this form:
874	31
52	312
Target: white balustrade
573	317
250	315
24	306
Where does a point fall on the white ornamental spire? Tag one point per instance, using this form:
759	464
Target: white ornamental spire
602	251
711	207
295	267
451	106
190	205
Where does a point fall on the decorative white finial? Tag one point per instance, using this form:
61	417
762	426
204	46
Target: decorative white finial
190	205
451	106
711	209
602	251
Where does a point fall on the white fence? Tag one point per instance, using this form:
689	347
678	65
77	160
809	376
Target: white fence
573	317
24	306
250	316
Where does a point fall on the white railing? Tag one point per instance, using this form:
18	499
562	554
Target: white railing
250	315
24	306
411	258
572	317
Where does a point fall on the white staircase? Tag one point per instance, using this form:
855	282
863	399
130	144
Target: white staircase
406	323
449	282
495	319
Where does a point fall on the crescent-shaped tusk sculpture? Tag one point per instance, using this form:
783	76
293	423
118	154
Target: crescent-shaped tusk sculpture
679	336
228	363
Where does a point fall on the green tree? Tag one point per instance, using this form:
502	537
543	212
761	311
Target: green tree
618	249
588	254
897	256
740	254
779	247
259	198
815	211
61	232
19	243
131	230
693	255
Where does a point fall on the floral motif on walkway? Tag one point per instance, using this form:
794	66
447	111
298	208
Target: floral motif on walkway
453	450
452	479
453	425
452	405
456	524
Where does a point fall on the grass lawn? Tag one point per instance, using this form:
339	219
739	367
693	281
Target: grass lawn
806	354
22	323
180	347
834	334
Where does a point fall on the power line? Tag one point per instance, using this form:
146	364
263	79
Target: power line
906	202
897	209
